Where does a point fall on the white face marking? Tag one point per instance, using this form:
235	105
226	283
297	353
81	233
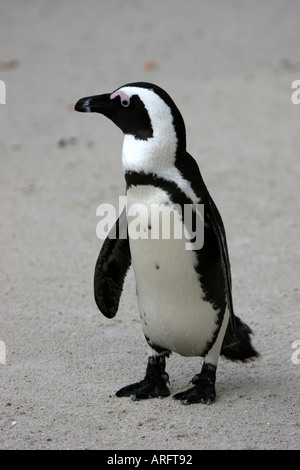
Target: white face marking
158	151
156	154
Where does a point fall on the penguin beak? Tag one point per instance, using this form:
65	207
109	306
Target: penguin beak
93	104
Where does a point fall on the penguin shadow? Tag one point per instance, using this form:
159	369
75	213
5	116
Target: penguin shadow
241	382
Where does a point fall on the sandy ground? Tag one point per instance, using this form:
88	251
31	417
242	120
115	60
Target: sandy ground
229	66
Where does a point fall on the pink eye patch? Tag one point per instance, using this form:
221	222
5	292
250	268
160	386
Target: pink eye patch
124	98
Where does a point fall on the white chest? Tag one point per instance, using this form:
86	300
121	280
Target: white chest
170	299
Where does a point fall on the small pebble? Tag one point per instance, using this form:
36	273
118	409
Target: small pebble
149	64
62	143
9	64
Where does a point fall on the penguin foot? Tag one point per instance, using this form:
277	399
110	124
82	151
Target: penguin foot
204	387
154	385
197	394
147	388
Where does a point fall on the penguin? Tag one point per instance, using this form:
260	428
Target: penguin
184	295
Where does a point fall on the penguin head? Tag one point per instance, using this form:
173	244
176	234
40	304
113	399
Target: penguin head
146	115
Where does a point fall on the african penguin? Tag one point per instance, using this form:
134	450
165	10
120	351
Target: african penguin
184	295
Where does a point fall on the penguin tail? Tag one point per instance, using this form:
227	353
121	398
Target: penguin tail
237	345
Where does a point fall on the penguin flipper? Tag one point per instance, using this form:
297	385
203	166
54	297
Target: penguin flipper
237	340
215	222
219	230
111	268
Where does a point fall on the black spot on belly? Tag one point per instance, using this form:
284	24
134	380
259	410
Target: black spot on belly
157	265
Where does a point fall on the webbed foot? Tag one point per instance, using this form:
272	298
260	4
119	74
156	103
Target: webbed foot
147	388
204	387
152	386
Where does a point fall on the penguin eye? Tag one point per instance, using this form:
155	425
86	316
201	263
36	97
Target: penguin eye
124	98
125	103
